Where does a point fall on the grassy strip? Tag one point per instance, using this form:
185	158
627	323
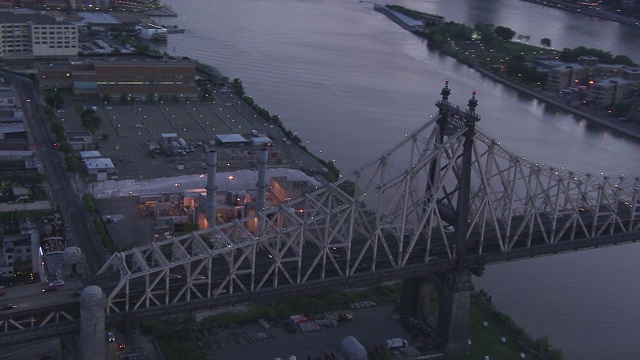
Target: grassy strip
496	335
98	224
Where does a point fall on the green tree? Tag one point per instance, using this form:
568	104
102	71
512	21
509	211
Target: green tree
124	98
106	99
54	99
237	85
70	162
248	100
435	40
485	32
65	148
623	60
91	122
545	42
460	33
504	33
57	130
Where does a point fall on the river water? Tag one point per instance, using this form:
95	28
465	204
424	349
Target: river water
350	83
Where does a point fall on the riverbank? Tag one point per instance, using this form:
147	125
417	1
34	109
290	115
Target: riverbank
606	15
468	57
628	129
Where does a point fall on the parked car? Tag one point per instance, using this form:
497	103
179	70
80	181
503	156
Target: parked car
289	327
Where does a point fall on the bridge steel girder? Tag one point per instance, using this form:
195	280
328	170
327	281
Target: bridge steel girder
38	322
393	212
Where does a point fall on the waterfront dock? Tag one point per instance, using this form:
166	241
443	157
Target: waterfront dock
406	22
163	11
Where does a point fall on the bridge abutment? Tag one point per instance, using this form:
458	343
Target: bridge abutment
452	329
453	292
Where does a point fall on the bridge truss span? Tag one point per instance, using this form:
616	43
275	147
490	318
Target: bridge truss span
445	194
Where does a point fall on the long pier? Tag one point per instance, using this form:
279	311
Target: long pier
406	22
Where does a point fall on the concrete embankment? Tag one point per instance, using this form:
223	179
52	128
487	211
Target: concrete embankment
628	129
632	130
579	9
406	22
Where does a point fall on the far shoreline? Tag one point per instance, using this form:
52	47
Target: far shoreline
631	130
610	124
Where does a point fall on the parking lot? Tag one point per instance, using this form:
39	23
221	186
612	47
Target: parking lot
128	130
371	326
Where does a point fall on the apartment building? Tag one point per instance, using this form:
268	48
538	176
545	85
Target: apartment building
27	35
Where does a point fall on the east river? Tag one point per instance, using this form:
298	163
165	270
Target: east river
350	83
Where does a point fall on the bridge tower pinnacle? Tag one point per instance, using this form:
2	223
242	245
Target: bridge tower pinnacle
445	92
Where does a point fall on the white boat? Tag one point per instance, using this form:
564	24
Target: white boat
152	32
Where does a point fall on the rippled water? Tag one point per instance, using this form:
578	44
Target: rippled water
351	83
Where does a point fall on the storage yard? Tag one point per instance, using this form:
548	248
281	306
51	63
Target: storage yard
371	326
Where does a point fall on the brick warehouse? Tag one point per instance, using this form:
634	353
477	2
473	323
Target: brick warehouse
136	77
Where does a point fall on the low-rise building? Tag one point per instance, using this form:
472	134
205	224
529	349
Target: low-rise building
282	190
20	253
100	167
134	77
80	140
7	96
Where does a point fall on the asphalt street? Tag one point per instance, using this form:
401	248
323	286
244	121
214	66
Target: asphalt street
62	191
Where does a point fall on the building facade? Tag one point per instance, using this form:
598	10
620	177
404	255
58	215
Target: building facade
134	77
27	35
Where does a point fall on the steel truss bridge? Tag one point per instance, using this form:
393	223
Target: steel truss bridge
447	197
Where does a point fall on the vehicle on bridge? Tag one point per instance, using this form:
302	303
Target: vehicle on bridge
50	288
8	306
396	343
57	283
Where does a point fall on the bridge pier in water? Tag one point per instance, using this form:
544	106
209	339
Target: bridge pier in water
453	293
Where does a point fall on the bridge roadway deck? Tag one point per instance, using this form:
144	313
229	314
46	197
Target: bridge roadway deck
476	263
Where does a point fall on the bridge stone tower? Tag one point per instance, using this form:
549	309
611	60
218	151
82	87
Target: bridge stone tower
92	321
453	291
